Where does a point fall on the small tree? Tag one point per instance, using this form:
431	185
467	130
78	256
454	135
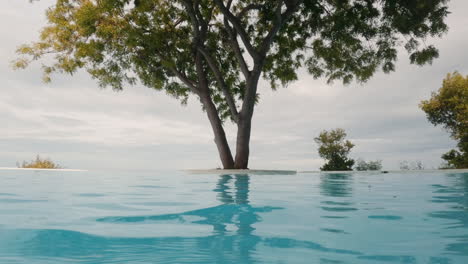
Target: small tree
404	165
449	107
39	163
362	165
335	149
414	165
418	165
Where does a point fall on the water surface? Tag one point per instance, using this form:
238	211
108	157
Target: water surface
173	217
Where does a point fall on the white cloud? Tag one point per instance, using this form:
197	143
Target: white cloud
109	128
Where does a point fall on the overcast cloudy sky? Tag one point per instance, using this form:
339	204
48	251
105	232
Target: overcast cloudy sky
79	125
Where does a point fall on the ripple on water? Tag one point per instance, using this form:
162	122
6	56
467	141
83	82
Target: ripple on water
389	258
338	209
439	260
151	186
221	214
385	217
163	203
330	261
334	216
337	203
94	249
90	194
333	230
110	206
292	243
21	201
238	220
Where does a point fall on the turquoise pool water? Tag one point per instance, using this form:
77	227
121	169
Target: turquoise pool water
167	217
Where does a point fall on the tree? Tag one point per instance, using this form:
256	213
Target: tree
219	50
418	165
334	149
39	163
414	165
404	165
362	165
449	107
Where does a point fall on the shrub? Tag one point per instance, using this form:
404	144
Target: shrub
39	163
362	165
335	149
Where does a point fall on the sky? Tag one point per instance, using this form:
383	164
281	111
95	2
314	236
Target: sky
79	125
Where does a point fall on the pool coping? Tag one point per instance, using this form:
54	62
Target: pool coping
38	169
250	172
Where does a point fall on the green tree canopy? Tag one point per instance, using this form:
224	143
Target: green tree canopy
449	107
217	50
335	149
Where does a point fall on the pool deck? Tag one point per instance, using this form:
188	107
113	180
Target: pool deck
37	169
390	171
239	172
293	172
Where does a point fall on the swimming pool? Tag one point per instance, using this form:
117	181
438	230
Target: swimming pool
174	217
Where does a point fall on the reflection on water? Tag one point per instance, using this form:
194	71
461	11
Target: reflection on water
338	187
233	239
336	184
234	210
455	196
398	221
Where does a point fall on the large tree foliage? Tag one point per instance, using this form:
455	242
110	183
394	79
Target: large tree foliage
335	150
218	50
449	107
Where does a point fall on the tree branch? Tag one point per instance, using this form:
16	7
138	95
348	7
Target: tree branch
229	3
193	86
199	37
246	9
195	24
237	25
237	50
281	19
202	21
219	78
190	84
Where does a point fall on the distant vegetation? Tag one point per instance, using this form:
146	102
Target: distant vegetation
414	165
449	107
39	163
363	165
335	149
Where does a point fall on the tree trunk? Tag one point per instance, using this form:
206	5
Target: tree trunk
244	124
243	141
219	134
